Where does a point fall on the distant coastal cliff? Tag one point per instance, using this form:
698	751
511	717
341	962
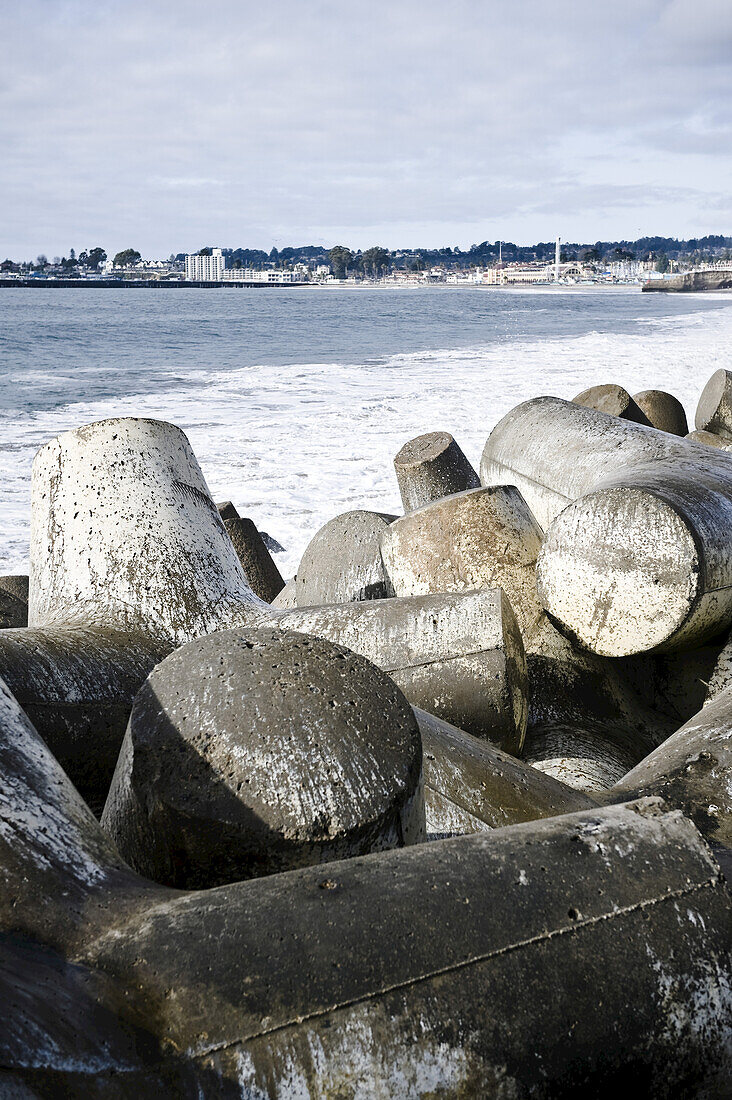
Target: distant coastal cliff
692	280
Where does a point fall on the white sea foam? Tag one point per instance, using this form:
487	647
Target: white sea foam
294	445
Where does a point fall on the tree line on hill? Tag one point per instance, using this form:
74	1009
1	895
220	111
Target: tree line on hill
377	261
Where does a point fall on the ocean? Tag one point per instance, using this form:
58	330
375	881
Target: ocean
296	400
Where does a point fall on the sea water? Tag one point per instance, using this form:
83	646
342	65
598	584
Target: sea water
296	400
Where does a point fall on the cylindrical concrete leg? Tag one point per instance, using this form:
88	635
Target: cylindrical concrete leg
590	911
471	786
430	467
691	771
613	401
621	570
483	538
584	758
250	753
263	576
342	562
123	523
711	439
662	410
586	914
77	687
286	597
457	655
587	725
13	601
714	411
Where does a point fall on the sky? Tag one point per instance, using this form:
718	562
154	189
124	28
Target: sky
166	126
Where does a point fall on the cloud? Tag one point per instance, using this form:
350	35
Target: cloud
170	124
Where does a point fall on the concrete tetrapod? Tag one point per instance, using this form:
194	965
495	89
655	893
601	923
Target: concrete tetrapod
612	400
714	410
586	725
342	562
643	560
482	538
471	786
370	977
457	655
662	410
430	467
263	576
129	558
252	752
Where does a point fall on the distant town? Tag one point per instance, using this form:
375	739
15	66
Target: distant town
501	263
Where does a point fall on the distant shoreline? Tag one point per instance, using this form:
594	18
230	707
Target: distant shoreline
185	284
136	284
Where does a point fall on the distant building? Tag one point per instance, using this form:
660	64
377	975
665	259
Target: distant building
205	269
250	275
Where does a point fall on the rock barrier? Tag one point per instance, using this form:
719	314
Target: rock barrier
449	814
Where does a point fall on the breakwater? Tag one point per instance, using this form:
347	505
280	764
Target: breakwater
692	281
476	749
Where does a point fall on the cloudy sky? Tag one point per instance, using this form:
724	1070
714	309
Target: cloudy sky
165	126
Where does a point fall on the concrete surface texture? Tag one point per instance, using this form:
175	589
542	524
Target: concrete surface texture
260	570
124	533
482	538
253	752
430	467
628	909
711	439
457	655
714	411
662	410
613	400
470	839
640	557
342	562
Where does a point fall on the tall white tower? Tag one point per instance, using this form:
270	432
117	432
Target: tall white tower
557	254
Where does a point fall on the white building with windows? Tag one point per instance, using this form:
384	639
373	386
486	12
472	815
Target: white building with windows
205	269
270	275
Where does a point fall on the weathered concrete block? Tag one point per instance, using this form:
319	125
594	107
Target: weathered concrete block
13	601
260	570
227	510
471	786
263	576
457	655
714	411
286	597
249	753
592	911
483	538
128	558
342	562
124	534
643	559
612	400
430	467
692	771
711	439
662	410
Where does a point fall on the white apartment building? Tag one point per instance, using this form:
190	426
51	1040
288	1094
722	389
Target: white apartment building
205	269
